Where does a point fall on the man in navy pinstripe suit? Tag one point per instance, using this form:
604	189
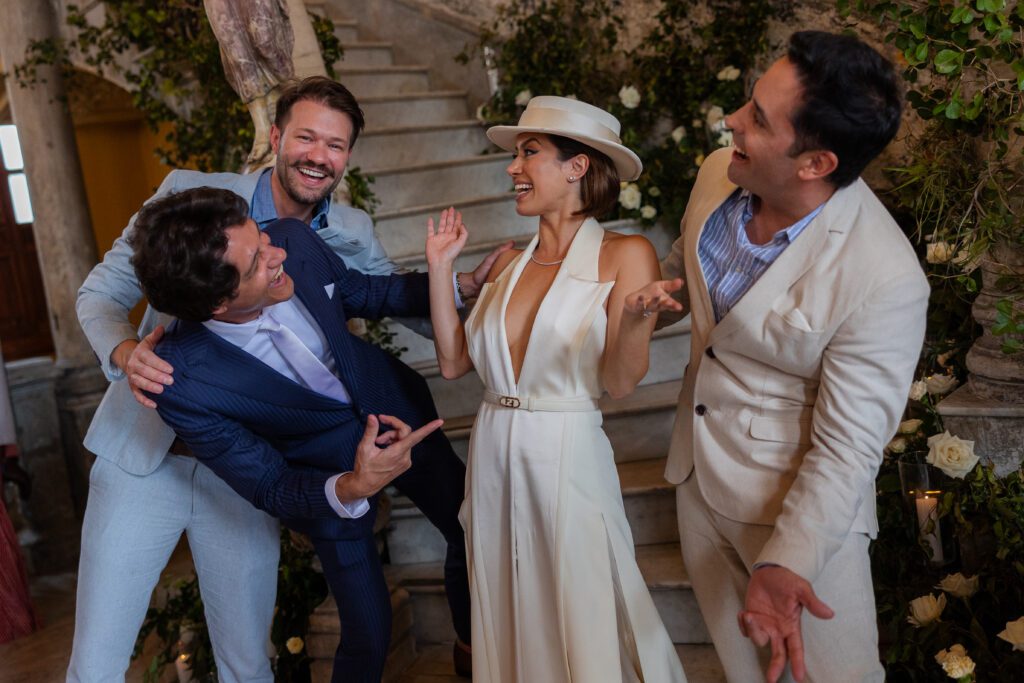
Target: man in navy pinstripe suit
274	394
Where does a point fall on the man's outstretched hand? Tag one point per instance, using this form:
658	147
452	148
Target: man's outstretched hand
472	283
144	370
775	600
381	457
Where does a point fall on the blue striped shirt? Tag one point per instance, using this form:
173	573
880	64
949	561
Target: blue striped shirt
731	263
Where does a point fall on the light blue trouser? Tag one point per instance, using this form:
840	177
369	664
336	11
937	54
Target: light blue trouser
131	526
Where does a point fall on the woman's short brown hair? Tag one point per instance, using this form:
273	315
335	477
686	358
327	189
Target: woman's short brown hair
599	186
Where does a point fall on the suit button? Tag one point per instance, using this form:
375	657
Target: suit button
701	409
710	351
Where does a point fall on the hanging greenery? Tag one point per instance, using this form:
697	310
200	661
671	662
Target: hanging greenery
671	92
166	52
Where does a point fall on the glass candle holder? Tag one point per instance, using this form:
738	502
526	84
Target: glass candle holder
922	496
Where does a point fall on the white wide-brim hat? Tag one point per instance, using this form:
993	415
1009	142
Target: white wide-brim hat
572	119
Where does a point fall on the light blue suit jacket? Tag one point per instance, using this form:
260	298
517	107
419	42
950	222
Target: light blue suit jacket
122	431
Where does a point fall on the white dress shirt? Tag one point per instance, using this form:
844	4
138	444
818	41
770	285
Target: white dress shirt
250	338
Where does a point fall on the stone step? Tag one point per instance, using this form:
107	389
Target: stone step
649	502
661	566
367	53
489	218
669	352
434	665
453	180
323	637
414	108
345	30
383	80
387	147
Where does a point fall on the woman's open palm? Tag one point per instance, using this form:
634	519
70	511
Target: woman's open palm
446	242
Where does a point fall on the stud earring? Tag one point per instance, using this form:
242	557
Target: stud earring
572	179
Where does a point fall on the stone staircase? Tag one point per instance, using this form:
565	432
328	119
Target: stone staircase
427	153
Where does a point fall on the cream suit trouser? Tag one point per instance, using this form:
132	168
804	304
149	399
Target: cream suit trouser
719	555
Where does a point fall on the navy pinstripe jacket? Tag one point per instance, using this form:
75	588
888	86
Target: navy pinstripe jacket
272	440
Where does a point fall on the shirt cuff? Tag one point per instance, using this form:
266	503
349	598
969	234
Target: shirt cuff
459	303
353	510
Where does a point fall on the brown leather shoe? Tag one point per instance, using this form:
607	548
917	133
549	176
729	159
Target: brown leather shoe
462	657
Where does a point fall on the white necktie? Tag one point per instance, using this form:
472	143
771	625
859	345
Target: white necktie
307	366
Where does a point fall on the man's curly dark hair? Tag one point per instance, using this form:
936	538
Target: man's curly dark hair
178	246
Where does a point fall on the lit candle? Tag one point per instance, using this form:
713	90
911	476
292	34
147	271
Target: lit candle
181	665
928	511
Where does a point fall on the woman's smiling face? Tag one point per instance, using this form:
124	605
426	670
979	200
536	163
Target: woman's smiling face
541	179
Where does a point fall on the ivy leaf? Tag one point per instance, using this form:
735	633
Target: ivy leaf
991	5
921	53
917	26
948	61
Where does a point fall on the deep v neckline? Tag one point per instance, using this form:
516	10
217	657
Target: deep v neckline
524	260
514	276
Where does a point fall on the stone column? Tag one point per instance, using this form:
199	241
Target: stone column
989	408
63	234
61	403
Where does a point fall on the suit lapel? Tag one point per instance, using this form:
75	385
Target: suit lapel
709	200
835	217
329	315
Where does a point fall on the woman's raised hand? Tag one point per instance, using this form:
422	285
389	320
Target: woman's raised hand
445	243
654	298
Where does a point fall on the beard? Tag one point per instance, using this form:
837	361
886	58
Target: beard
286	174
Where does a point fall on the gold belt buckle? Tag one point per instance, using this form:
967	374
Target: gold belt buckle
508	401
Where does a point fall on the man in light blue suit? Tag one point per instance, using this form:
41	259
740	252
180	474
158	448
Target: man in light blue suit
143	496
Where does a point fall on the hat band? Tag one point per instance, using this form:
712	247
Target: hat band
570	123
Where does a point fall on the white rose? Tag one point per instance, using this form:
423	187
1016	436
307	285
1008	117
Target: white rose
958	666
654	192
294	645
729	73
677	134
958	585
918	389
910	426
939	252
926	609
951	454
647	212
725	138
897	445
714	115
954	650
1014	634
940	384
630	196
629	96
523	97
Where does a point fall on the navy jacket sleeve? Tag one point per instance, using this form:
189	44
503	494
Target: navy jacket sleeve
248	463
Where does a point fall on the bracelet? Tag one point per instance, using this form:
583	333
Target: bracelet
460	290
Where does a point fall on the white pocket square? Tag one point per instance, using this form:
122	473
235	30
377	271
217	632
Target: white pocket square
330	290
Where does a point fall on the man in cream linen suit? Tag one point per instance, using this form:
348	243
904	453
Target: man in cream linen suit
808	313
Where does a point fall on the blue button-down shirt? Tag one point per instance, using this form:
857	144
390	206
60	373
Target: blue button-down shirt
730	261
264	212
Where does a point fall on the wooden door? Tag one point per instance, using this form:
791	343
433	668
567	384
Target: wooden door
24	329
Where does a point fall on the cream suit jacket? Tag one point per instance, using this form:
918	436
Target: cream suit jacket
789	400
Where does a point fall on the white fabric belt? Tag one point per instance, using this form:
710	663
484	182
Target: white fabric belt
552	405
